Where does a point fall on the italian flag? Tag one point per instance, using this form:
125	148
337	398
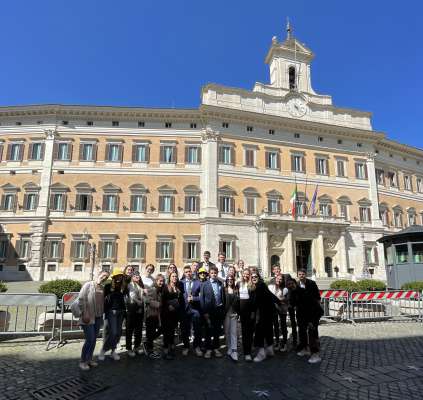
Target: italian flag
294	202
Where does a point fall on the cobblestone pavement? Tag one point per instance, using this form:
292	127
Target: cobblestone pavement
367	361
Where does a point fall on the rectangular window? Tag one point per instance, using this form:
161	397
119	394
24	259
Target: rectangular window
138	203
30	201
114	152
411	219
136	250
83	202
55	248
36	151
273	206
364	214
58	202
228	248
384	217
108	249
419	185
371	256
168	154
393	181
87	152
360	170
63	152
272	160
193	154
325	210
301	208
15	152
250	205
401	252
343	211
191	250
79	250
249	157
110	203
24	248
398	220
226	204
408	183
166	203
164	250
340	168
297	163
4	246
140	153
417	249
322	166
192	204
9	202
226	155
380	176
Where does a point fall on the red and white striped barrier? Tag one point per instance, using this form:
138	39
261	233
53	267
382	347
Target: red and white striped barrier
397	295
333	294
69	298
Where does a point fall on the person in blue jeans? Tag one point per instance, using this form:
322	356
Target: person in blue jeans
91	304
114	313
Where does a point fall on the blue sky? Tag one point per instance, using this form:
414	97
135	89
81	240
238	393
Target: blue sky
159	53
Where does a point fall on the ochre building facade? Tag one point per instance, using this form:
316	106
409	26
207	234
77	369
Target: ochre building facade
163	185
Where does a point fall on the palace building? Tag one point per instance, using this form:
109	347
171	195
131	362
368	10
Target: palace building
149	185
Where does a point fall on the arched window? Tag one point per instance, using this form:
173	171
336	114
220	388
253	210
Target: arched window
292	78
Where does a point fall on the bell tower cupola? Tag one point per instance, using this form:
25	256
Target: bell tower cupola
289	62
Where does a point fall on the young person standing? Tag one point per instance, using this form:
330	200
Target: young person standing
222	266
148	278
206	263
91	304
212	302
134	314
231	316
280	311
246	313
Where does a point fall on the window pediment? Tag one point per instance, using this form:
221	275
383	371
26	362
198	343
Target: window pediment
192	189
59	187
325	199
110	188
138	188
274	194
364	202
8	187
166	189
251	192
344	200
84	187
31	187
228	190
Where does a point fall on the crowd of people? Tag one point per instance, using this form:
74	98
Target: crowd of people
208	300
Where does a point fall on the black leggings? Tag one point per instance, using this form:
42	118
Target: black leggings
279	324
264	331
134	322
152	330
247	326
170	323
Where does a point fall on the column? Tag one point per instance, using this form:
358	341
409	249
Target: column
209	174
320	251
290	254
343	258
38	228
263	239
373	192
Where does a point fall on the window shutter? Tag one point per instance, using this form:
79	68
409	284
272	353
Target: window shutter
95	152
25	202
232	156
37	197
107	155
186	208
327	167
1	152
64	202
101	249
233	250
292	163
117	203
143	251
18	248
61	251
317	166
197	249
55	151
9	152
266	154
376	255
147	153
121	152
174	155
104	205
162	159
47	249
72	250
278	161
21	151
220	154
43	146
185	251
160	203
78	202
369	214
30	155
172	204
220	246
356	170
114	251
199	154
232	205
171	250
144	203
51	201
158	251
134	153
81	151
132	203
70	147
89	203
303	164
129	250
186	154
365	171
221	203
329	210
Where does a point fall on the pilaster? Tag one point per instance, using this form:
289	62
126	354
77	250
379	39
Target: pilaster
263	237
373	191
289	246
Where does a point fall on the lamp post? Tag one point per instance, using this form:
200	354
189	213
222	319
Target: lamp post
92	248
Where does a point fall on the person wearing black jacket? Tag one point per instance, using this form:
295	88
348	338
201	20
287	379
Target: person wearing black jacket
231	316
263	305
171	311
306	299
114	312
246	313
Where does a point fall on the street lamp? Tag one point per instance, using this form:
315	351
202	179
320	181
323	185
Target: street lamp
92	248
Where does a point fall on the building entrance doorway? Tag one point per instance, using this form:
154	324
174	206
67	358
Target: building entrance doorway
328	267
274	260
303	255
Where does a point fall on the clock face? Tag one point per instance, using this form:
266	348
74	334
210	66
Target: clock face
297	107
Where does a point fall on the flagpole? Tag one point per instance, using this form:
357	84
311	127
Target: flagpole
305	192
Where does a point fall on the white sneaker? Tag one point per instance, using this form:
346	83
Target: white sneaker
234	355
185	352
248	358
84	366
92	364
131	353
198	352
115	356
207	354
218	354
284	348
269	351
303	352
315	358
101	355
261	355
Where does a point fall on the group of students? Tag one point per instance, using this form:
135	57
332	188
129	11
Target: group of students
208	300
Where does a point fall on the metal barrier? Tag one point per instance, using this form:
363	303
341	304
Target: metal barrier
386	305
68	324
335	304
28	314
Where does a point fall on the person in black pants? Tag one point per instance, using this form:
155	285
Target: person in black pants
291	284
134	314
246	313
171	309
263	305
212	301
307	302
